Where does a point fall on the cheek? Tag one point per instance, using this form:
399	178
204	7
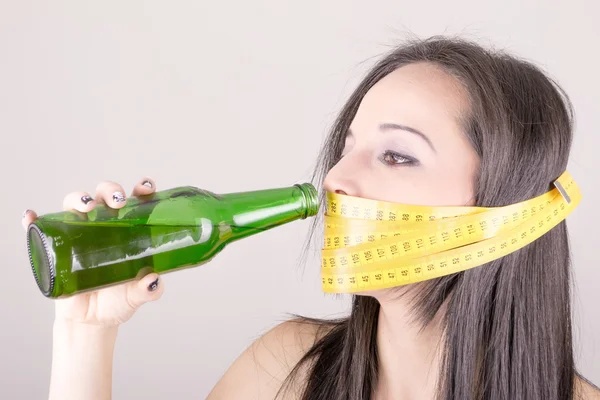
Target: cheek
420	187
452	190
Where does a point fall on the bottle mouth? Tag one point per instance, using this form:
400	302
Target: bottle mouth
40	260
311	199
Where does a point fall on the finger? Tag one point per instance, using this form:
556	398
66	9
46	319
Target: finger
80	201
144	187
149	288
111	194
28	217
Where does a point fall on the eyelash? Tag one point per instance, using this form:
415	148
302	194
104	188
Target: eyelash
404	160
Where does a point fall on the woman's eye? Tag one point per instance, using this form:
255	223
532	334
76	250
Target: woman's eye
393	158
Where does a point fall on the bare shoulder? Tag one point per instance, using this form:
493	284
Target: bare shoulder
585	390
259	372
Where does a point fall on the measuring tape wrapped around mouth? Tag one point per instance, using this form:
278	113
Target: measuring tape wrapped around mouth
372	244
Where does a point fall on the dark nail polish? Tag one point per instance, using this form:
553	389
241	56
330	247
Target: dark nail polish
86	199
118	197
152	287
147	184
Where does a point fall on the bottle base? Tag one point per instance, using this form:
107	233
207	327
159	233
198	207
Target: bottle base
40	260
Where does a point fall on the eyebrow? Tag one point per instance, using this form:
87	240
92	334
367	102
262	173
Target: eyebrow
390	126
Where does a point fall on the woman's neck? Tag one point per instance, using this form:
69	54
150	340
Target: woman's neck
409	357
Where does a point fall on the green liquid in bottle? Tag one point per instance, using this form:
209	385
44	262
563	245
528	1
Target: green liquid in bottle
72	252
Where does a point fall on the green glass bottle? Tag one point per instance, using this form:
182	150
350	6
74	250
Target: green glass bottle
72	252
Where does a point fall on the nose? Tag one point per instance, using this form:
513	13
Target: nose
341	179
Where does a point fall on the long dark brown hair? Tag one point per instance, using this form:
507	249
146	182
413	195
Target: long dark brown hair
506	324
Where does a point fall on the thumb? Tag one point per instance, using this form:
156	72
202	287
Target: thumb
149	288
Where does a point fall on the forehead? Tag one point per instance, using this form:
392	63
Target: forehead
420	95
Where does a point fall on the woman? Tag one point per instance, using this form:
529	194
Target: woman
436	122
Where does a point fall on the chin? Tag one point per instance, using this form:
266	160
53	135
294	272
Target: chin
384	294
377	293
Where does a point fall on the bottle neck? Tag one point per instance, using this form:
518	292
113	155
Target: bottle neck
258	211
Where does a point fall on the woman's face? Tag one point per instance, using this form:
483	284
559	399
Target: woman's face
406	144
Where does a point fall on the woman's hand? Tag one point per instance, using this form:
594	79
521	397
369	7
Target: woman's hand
114	305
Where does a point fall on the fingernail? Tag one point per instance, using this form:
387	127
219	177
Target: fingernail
86	199
25	213
152	287
147	184
118	197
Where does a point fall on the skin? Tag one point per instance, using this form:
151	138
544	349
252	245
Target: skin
383	163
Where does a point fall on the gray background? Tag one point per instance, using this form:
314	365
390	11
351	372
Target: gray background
229	96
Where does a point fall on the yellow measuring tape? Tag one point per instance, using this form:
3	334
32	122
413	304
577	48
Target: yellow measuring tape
372	244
